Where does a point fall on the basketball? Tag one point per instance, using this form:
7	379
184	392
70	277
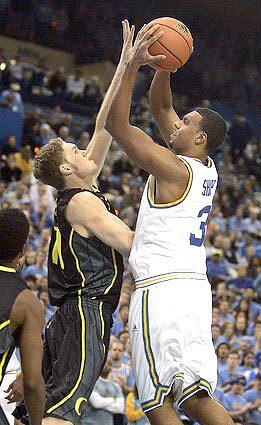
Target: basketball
176	44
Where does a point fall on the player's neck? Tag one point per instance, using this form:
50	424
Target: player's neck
200	156
75	182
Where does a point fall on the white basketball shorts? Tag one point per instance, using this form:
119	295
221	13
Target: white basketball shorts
170	331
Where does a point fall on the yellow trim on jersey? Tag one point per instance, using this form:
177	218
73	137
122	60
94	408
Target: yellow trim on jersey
76	258
83	339
2	364
7	269
202	384
57	248
102	323
160	392
157	400
168	276
151	188
4	324
115	271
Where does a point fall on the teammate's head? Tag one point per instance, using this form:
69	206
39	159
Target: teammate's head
58	163
201	131
14	230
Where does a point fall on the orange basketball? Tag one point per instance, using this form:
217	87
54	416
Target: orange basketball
176	44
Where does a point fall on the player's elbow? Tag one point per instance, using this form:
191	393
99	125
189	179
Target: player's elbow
33	383
110	124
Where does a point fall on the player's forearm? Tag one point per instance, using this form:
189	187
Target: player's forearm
160	95
119	113
34	397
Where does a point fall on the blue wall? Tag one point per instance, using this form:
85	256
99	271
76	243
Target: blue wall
10	123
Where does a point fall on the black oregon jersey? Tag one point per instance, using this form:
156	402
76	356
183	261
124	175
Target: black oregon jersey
11	284
78	265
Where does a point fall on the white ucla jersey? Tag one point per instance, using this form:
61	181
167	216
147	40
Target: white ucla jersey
169	238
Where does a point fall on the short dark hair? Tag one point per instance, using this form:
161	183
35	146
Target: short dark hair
214	126
47	163
14	230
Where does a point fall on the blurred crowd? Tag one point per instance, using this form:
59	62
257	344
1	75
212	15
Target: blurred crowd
93	33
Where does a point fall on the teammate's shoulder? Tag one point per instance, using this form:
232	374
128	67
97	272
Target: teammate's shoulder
26	304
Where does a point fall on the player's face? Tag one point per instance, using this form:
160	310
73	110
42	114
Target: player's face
82	166
185	132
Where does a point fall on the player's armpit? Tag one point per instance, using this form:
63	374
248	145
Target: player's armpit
88	211
155	159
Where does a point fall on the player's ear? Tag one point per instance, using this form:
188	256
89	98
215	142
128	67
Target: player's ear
65	169
201	138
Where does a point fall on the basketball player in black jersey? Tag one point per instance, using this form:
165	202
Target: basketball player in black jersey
85	266
21	316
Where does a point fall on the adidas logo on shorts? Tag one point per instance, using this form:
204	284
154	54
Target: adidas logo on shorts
134	329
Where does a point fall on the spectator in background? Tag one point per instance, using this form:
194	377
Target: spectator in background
240	134
227	332
11	99
92	92
57	118
225	314
39	268
236	222
134	413
75	86
64	133
247	362
9	172
10	146
106	400
84	140
242	281
254	397
252	225
120	372
122	320
23	159
15	69
45	134
235	402
122	165
216	267
216	335
229	372
57	82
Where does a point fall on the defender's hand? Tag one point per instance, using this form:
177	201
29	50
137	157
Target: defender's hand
144	39
127	35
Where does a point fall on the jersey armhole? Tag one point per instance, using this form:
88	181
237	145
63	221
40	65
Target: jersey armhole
151	190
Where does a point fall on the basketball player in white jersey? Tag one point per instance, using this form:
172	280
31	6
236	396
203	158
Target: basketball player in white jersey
171	312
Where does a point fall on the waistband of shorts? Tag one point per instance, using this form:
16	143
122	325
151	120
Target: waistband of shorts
85	300
153	280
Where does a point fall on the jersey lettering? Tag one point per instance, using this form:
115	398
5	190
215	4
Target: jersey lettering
207	187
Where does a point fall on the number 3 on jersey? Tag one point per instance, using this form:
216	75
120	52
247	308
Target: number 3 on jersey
199	241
